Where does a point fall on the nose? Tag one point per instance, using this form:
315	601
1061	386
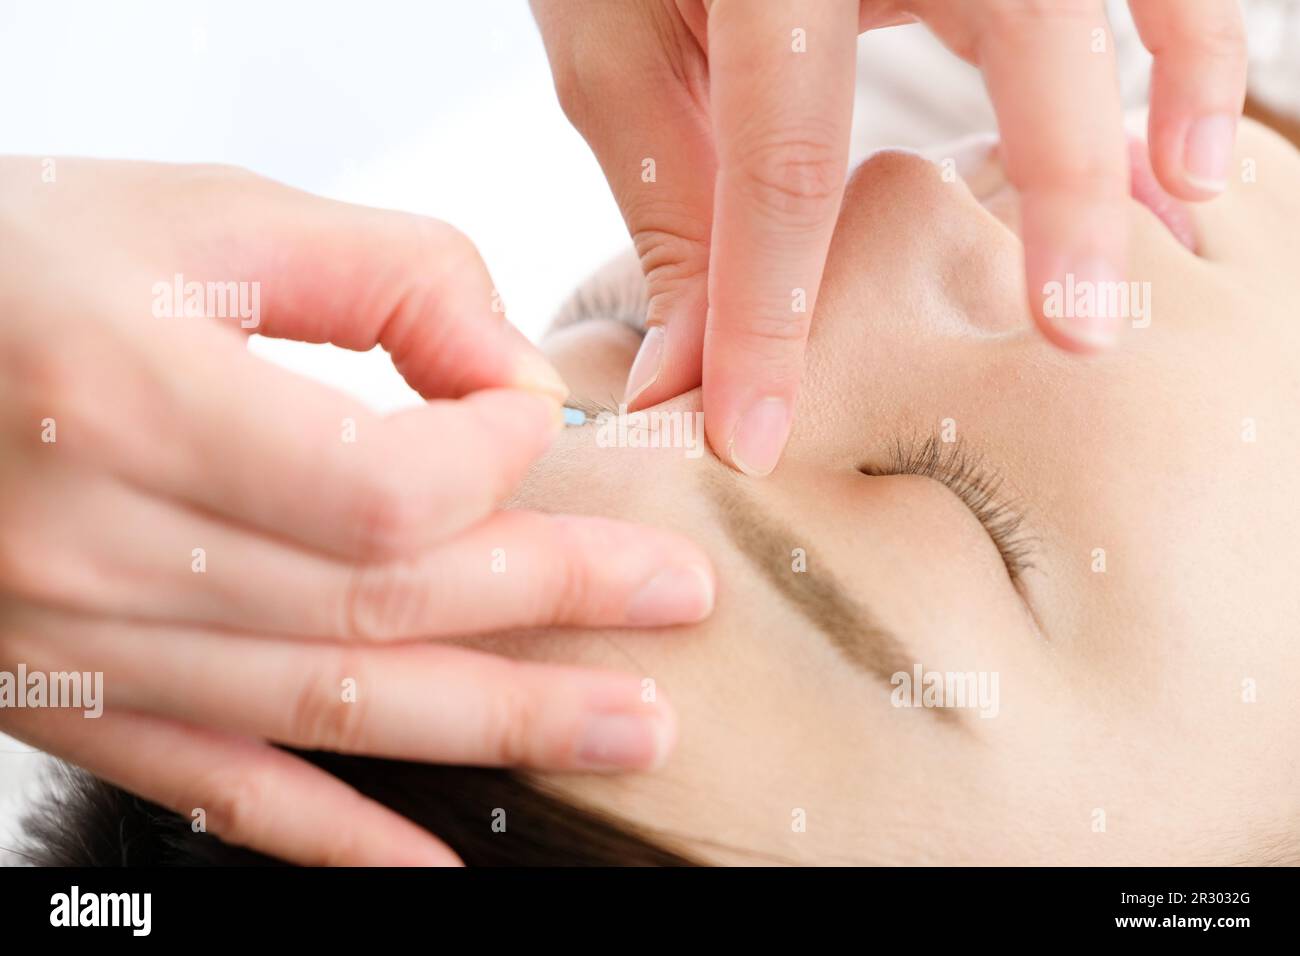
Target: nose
918	248
918	268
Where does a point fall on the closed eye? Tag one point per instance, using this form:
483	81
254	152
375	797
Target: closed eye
978	486
617	293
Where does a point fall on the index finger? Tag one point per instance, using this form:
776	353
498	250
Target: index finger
284	455
782	90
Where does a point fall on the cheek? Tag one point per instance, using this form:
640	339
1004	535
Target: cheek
593	357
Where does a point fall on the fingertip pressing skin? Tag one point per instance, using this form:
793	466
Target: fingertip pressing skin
759	436
1198	88
620	742
670	359
647	365
1070	167
782	117
1207	152
675	595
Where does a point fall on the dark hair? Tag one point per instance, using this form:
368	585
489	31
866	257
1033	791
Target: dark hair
87	822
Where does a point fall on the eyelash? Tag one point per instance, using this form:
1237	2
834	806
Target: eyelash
618	300
963	472
976	484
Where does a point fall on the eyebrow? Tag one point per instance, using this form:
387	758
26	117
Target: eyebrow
852	629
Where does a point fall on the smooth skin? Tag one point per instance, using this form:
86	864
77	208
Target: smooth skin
745	110
1148	659
128	441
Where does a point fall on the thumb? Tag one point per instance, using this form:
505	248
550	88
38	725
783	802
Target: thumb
641	104
358	277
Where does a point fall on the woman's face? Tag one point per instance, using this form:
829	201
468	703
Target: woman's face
1130	643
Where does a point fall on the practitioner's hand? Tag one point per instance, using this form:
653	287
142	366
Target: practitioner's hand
251	558
723	128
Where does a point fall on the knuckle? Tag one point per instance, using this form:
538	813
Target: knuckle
762	332
796	177
512	718
223	173
439	259
675	269
322	719
659	59
20	575
381	603
87	400
206	188
584	74
1220	39
569	589
388	513
51	386
571	84
1088	174
669	258
444	240
226	179
32	566
236	805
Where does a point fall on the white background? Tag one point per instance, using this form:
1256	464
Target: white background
442	108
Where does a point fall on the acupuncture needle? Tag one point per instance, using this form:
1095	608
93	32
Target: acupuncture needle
573	417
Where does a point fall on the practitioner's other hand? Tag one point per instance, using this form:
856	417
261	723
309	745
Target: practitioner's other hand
251	558
723	128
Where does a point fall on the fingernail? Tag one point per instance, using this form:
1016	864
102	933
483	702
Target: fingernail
760	436
1207	153
536	374
672	596
1083	304
649	359
624	741
430	854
